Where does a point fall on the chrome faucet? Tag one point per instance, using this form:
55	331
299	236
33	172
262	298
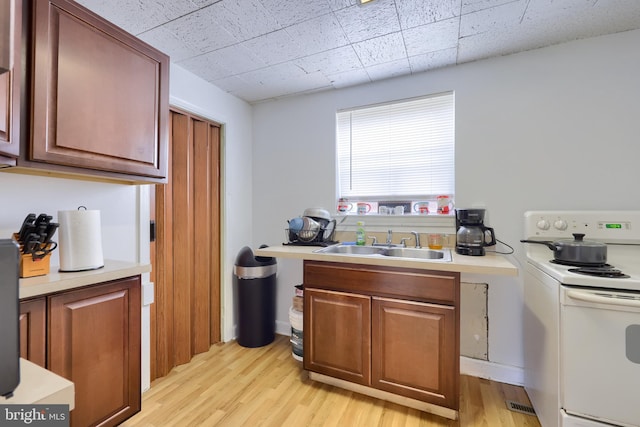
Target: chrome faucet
417	236
389	237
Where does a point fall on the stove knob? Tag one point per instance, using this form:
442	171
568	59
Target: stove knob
560	224
543	224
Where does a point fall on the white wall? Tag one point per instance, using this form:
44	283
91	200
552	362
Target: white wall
23	194
553	128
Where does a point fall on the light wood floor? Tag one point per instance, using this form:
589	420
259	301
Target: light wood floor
235	386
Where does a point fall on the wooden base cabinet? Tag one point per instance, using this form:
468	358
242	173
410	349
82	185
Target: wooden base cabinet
339	342
394	332
93	340
33	330
413	350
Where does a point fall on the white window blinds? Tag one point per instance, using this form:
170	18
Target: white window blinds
397	150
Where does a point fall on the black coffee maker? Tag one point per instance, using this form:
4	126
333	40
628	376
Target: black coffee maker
471	234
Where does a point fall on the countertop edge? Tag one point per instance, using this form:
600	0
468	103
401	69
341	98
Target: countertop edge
492	264
56	282
41	386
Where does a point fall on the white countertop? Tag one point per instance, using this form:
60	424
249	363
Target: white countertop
40	386
488	264
56	281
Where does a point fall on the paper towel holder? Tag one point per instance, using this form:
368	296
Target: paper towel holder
80	240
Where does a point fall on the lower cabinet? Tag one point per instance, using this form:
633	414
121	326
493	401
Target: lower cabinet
93	339
33	332
394	331
413	350
338	342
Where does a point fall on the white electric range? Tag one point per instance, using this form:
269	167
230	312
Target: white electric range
582	332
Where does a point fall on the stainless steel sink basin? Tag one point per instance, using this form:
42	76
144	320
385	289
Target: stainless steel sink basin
430	254
443	255
351	249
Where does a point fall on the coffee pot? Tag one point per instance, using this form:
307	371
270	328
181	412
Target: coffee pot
471	234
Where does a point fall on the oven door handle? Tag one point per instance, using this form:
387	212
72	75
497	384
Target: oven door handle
597	299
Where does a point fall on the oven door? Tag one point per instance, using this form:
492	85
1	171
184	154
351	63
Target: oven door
600	355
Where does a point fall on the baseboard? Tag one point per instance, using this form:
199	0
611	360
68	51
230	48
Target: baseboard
283	328
492	371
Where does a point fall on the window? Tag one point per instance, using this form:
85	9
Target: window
397	151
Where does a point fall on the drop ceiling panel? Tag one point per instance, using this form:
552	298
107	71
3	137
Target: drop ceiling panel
275	47
432	60
265	49
336	61
415	13
381	49
318	34
368	21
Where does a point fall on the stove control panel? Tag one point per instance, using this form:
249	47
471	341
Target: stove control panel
605	226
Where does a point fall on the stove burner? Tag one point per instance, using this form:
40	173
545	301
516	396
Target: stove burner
607	272
580	264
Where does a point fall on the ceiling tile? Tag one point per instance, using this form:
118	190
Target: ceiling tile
318	34
431	60
139	15
275	47
284	79
231	84
223	62
167	42
570	20
496	19
389	69
381	49
431	37
369	21
415	13
349	78
200	31
287	13
469	6
275	74
335	61
341	4
244	19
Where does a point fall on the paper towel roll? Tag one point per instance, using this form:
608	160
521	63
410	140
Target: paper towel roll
80	235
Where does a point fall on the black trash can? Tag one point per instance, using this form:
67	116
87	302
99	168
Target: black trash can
255	279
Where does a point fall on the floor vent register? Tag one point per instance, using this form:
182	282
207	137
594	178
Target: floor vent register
519	407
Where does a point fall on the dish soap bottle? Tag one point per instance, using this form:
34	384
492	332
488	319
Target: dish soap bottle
360	239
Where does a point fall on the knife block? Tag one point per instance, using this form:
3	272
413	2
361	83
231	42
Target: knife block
30	267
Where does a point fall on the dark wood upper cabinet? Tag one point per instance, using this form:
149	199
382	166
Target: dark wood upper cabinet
10	80
95	98
5	36
100	95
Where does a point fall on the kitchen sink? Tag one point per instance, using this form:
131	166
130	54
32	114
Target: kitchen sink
352	250
443	255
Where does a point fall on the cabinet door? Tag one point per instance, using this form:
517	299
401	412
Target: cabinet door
415	350
10	88
100	95
33	323
94	341
337	331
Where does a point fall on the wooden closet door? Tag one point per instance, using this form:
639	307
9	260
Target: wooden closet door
187	248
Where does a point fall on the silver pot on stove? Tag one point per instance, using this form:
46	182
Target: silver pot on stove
577	251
